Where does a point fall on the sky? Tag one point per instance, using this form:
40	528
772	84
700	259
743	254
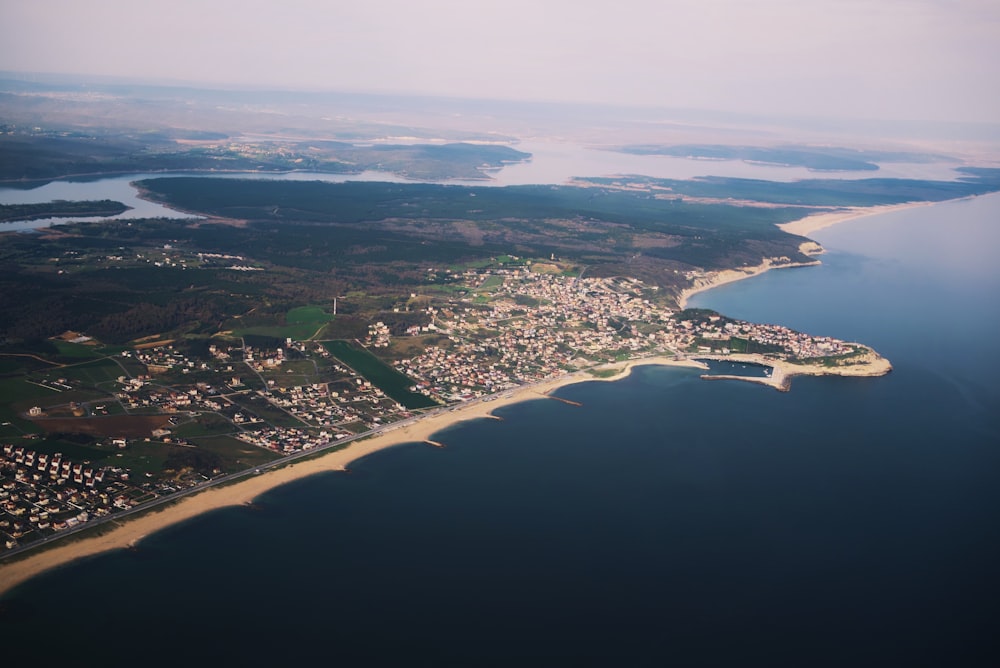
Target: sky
878	59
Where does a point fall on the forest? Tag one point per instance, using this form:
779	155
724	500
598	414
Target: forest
266	247
10	213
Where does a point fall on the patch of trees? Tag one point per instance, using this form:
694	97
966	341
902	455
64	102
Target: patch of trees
196	459
145	318
399	322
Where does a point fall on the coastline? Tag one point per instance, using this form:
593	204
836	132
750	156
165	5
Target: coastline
725	276
818	221
801	227
133	530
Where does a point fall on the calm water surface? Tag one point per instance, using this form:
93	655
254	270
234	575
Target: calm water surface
669	521
551	163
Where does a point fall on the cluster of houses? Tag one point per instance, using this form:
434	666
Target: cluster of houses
288	440
540	325
536	326
715	334
41	494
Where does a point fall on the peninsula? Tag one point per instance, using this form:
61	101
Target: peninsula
154	369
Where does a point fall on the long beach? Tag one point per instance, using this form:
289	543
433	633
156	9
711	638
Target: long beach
132	530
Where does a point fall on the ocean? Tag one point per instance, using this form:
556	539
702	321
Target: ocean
666	521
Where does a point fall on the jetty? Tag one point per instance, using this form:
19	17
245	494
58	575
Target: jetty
565	401
780	384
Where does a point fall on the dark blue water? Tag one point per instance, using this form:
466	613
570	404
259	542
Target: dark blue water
668	521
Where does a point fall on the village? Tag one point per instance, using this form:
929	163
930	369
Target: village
508	327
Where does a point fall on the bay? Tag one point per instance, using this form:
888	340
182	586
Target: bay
667	521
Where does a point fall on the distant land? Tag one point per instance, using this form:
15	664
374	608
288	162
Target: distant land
38	155
818	158
59	209
810	192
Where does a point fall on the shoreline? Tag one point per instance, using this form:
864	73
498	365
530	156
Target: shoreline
726	276
131	531
801	227
818	221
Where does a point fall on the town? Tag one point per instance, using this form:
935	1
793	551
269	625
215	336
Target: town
176	422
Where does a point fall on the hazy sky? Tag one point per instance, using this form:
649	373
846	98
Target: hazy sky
906	59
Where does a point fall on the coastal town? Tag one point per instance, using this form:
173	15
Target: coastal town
495	330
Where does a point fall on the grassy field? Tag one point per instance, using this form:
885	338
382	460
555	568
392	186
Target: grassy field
301	323
20	392
90	373
236	455
207	424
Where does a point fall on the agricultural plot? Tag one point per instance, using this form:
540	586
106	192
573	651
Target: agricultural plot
379	374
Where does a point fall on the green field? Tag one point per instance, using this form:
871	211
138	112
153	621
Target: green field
301	323
206	424
235	454
21	392
491	282
378	373
83	351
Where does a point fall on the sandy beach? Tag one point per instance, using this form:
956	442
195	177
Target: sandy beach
802	227
133	530
810	224
718	278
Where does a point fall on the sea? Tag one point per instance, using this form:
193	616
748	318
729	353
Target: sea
666	521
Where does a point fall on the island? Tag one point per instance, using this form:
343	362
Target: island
11	213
